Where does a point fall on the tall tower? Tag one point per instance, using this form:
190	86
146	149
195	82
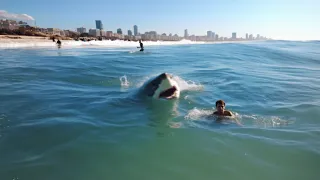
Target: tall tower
234	35
119	31
209	35
99	24
186	35
135	30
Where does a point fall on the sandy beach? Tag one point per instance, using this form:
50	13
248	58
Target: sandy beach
22	39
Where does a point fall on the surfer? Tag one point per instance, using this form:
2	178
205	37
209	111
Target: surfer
141	45
221	112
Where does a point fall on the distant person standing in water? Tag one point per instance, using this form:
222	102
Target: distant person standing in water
141	46
59	43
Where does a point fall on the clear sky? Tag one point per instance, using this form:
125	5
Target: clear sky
278	19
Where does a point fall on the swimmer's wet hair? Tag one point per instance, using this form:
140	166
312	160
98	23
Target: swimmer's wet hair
220	102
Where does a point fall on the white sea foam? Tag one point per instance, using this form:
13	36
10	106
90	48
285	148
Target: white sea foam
20	43
124	81
188	85
265	121
185	85
196	114
203	116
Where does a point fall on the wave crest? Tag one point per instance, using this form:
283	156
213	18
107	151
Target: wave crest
42	42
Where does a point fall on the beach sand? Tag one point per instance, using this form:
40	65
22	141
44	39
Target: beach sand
22	39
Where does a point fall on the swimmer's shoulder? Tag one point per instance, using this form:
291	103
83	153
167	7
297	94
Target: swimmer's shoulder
228	113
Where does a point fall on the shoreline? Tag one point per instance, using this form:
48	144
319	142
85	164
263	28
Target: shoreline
20	41
48	38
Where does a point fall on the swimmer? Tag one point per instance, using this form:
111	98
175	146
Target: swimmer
220	106
221	112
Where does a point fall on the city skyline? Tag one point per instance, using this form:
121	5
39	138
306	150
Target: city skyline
292	20
97	31
210	34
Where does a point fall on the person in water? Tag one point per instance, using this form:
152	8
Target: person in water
221	112
59	43
141	46
220	106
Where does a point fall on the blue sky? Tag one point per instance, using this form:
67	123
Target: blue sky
283	19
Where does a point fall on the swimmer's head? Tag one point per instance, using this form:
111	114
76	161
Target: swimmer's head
220	106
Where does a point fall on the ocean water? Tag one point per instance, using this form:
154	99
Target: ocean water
75	112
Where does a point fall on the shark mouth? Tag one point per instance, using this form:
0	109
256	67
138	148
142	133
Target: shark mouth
168	94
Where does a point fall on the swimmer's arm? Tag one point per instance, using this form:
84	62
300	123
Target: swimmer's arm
233	117
238	122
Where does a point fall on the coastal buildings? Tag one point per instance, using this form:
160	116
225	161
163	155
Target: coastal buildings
186	35
135	30
101	34
94	32
119	31
108	33
210	35
99	24
81	30
54	31
8	24
151	35
234	36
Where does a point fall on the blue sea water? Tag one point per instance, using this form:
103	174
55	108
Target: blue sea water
74	112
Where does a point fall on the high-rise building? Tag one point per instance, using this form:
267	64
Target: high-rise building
103	33
251	37
81	30
135	30
209	34
129	33
258	36
247	36
234	35
119	31
99	24
186	35
217	37
94	32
